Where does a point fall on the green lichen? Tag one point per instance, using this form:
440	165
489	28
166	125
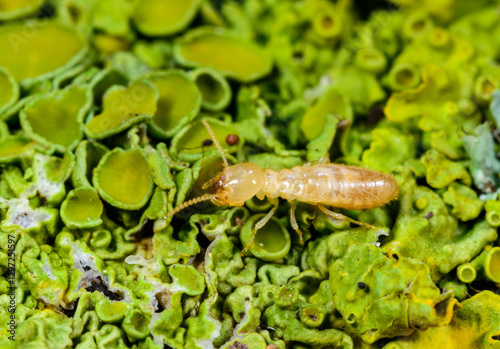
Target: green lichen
476	324
484	164
56	119
48	50
115	174
101	104
123	107
201	47
380	296
466	205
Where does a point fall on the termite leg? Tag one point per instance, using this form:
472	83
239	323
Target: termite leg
324	160
340	216
293	221
261	223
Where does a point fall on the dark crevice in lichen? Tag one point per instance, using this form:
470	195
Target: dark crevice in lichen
46	11
202	240
98	285
71	309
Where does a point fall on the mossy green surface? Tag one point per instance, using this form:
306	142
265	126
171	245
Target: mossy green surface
101	104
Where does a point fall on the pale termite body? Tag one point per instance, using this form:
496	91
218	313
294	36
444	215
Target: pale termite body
341	186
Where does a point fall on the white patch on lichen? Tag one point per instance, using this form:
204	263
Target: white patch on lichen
21	214
481	179
139	260
208	343
157	339
153	303
489	196
85	264
317	91
48	270
46	187
150	266
159	287
236	330
379	232
211	285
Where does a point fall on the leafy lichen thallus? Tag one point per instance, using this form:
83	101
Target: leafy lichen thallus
318	184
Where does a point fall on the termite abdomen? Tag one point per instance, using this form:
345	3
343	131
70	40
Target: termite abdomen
335	185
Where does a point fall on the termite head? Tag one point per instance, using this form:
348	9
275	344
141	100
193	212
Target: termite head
237	184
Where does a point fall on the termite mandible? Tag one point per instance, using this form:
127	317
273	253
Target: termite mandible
341	186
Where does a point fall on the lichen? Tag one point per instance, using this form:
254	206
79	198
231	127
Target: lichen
101	138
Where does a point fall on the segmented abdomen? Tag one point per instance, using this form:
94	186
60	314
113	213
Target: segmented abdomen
335	185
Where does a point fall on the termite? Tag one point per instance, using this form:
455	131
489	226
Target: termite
321	184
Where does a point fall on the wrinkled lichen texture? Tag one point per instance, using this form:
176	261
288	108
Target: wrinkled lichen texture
101	135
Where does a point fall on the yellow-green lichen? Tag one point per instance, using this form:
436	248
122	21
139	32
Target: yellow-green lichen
123	107
122	179
157	17
40	50
101	104
56	119
178	103
216	49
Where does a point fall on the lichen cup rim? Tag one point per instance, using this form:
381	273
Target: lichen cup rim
223	102
52	96
492	264
72	223
22	11
73	61
130	121
181	25
262	253
192	157
218	31
34	146
15	90
107	197
155	129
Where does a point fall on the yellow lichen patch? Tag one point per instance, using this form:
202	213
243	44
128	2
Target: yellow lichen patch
110	44
34	49
13	147
476	325
164	17
8	6
123	107
14	9
218	49
494	265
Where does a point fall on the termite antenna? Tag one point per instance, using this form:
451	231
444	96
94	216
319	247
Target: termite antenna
216	142
191	202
